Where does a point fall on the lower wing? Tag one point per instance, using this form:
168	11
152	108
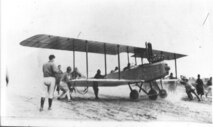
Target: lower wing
103	82
167	80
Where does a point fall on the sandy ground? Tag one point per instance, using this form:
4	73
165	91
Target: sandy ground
23	101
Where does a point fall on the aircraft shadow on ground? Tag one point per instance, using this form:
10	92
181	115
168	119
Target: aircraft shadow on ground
107	99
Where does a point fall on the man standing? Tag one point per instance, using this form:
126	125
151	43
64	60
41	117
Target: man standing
66	78
49	72
209	87
209	83
199	86
58	78
95	85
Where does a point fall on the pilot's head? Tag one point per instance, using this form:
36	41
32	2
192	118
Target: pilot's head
69	69
98	71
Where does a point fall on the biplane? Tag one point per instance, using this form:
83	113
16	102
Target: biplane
154	69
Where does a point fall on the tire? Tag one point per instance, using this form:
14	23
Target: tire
163	93
153	95
134	94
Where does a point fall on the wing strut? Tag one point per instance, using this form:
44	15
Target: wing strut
135	59
128	54
105	59
119	68
87	57
175	66
142	60
73	55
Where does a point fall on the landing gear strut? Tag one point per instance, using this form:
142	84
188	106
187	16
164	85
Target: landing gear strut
152	94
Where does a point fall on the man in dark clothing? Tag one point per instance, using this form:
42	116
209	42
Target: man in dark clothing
95	85
209	87
209	83
199	86
171	76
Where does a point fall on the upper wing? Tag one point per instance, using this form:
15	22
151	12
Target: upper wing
103	82
72	44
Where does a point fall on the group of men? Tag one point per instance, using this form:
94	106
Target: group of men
54	77
198	90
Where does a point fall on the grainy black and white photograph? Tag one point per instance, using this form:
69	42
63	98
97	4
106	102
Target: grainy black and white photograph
106	62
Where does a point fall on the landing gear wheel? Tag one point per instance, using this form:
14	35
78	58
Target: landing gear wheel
153	95
134	94
163	93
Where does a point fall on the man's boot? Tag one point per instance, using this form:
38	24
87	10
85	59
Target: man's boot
42	104
198	98
58	90
96	93
50	103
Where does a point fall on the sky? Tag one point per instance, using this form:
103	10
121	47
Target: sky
170	25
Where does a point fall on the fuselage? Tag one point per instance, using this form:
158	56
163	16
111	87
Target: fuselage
146	72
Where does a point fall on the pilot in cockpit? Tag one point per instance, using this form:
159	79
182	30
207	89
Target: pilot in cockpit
127	67
116	69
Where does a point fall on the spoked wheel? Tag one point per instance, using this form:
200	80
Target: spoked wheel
134	94
153	95
163	93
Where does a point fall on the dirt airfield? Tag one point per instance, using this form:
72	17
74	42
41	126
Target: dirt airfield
23	101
